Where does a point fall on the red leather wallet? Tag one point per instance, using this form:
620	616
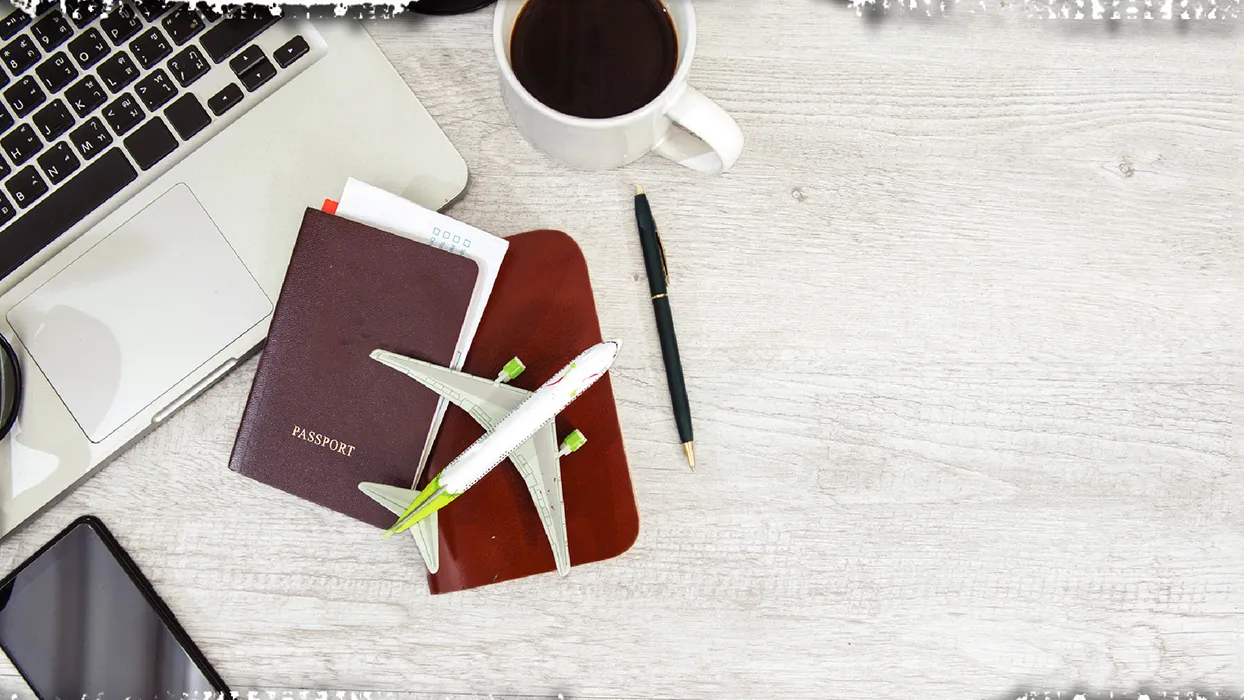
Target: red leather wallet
542	311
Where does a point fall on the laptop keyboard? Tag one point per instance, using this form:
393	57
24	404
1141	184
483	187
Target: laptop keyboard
92	101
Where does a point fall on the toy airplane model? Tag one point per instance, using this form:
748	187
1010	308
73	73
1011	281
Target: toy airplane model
519	425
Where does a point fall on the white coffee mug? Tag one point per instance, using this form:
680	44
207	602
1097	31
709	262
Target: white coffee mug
709	141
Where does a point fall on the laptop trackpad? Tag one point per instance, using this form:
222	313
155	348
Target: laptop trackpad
138	312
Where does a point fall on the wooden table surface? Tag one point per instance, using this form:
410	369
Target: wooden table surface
963	339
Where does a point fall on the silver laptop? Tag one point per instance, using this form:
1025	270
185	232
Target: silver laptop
157	161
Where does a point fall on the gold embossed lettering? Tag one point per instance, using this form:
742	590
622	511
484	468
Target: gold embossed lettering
322	440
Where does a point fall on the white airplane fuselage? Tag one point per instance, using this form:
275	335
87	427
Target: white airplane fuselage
523	422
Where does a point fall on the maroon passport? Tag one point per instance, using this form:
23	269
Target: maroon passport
322	415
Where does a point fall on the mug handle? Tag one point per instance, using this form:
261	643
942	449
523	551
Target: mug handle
712	141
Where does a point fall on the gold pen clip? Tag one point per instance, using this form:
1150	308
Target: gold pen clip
661	248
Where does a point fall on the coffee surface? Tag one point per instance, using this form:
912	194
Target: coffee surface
594	58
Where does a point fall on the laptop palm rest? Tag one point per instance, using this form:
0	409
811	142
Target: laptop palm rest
140	311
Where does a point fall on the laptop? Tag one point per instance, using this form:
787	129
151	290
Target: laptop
156	162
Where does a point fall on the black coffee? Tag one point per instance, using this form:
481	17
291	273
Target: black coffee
594	58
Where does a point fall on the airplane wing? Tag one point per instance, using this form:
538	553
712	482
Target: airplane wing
487	401
539	465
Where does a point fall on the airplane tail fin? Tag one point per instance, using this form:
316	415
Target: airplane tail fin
397	500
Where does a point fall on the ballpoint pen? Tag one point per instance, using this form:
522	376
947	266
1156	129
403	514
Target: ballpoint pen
658	284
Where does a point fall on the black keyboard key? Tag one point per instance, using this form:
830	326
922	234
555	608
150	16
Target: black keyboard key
258	74
150	47
150	143
222	40
188	66
4	78
7	211
19	55
183	24
24	96
85	95
57	72
291	51
151	9
123	114
187	116
58	162
84	12
13	23
91	138
4	168
120	24
209	12
53	120
79	196
88	48
224	100
155	90
26	186
21	143
6	120
118	71
246	60
52	31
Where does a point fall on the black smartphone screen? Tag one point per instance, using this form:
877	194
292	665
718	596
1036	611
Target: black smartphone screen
78	619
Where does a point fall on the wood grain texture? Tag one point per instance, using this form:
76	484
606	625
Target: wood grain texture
963	339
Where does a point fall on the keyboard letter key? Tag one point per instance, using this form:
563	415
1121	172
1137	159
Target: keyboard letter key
59	162
91	138
26	186
57	72
53	120
24	96
88	48
21	143
120	24
118	71
85	95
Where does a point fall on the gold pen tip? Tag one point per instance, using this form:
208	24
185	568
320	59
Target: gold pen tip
689	448
638	190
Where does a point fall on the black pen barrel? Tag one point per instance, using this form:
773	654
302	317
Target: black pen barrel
673	367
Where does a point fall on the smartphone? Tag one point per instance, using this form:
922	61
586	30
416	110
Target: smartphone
78	619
